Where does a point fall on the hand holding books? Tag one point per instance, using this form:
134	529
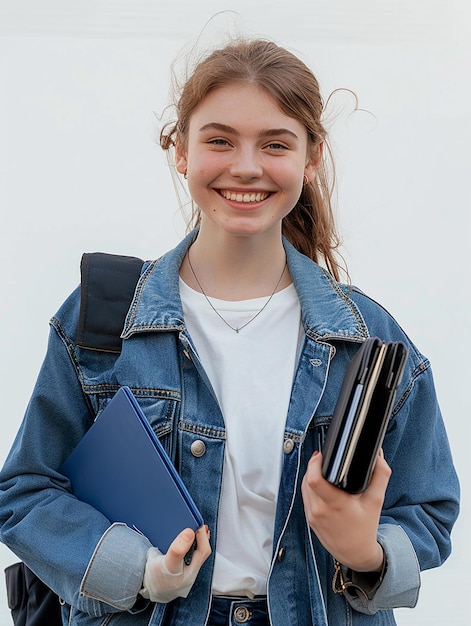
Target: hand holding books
346	524
166	576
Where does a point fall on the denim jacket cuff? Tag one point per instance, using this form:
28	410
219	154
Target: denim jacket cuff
396	586
348	581
115	571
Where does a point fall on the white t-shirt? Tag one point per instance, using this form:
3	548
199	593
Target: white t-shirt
252	375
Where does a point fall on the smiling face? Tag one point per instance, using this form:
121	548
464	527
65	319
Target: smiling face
245	161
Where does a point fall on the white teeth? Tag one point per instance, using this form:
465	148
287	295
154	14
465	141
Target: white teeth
244	197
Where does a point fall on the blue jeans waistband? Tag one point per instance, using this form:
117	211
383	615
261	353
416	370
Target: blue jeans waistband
234	611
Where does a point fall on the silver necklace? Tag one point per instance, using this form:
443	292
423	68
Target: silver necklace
236	329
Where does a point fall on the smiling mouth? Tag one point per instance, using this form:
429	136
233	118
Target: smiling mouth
244	197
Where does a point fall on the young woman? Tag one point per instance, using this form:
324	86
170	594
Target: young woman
236	348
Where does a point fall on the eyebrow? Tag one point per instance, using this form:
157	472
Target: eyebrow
269	132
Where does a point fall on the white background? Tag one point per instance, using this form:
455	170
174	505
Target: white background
80	83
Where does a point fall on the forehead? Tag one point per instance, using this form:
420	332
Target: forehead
245	107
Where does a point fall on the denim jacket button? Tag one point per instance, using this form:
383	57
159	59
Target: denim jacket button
288	446
198	448
281	554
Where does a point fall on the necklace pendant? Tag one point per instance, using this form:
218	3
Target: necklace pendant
237	328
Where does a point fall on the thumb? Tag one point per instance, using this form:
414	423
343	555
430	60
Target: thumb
177	550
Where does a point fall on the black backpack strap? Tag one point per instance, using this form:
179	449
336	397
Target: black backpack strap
106	291
31	602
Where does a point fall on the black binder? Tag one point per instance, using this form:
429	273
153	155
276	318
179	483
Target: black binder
362	413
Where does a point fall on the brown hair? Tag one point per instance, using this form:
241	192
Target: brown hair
310	226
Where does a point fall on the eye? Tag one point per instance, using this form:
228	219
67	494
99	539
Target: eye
276	147
218	142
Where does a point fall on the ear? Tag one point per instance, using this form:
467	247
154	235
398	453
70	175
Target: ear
312	165
181	161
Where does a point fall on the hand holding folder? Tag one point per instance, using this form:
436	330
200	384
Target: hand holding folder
362	412
166	577
121	468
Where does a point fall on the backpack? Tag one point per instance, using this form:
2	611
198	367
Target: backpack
107	286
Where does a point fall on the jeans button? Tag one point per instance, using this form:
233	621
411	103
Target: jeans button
242	614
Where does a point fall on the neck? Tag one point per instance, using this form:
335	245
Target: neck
238	268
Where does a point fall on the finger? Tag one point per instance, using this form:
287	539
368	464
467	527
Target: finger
380	477
202	535
177	550
314	467
203	547
315	481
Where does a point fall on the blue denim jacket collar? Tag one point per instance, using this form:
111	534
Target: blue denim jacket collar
327	312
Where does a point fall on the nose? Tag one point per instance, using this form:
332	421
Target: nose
246	164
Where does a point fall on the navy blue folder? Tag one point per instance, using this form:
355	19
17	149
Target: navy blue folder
121	469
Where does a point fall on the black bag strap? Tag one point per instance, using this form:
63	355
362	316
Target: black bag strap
106	291
31	602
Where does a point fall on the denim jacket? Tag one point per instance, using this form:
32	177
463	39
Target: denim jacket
97	568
